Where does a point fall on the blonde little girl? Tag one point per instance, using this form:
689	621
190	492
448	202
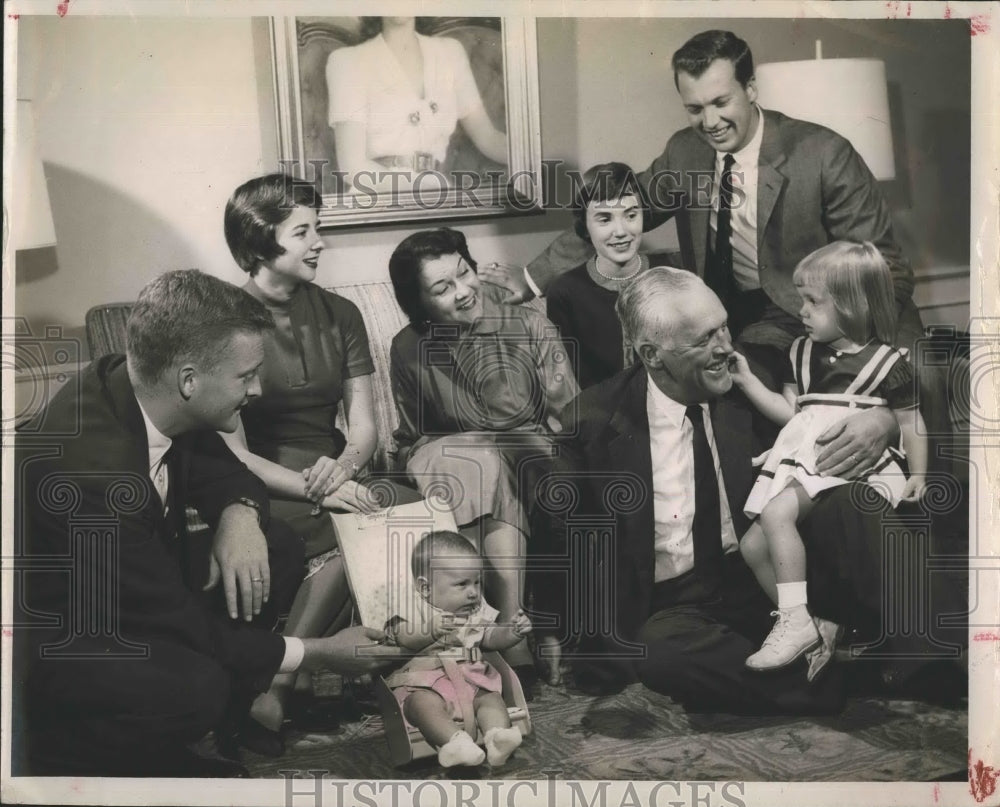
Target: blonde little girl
449	680
845	362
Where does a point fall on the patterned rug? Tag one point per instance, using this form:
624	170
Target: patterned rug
639	734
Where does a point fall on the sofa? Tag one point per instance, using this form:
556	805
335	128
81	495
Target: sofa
105	325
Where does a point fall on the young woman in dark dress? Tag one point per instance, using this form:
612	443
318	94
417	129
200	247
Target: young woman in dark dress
608	211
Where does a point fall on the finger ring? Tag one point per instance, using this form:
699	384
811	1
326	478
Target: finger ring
256	579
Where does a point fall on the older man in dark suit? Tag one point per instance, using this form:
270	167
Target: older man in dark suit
685	610
134	651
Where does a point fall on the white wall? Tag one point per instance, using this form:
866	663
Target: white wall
144	126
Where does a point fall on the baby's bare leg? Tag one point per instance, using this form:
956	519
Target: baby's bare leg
491	711
427	711
500	737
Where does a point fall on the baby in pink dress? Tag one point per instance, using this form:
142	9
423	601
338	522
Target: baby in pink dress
449	680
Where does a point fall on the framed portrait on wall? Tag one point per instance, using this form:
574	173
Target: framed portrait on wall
410	119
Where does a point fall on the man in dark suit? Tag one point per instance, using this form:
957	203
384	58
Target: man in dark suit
753	192
133	650
685	610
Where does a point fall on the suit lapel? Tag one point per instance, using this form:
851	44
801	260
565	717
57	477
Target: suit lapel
126	409
770	180
629	453
175	518
699	212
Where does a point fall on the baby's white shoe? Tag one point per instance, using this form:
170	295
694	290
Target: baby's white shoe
500	744
461	749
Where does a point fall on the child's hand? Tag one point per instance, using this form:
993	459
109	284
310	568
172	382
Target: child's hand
739	369
443	628
914	488
521	625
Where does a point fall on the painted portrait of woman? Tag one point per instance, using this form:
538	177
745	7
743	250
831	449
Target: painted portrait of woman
390	101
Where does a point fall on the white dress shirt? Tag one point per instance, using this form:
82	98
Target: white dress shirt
158	444
672	449
743	216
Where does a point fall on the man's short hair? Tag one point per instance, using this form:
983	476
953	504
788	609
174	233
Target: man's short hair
695	55
254	212
641	304
187	314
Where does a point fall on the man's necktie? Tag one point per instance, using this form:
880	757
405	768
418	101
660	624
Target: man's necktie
719	267
170	502
707	528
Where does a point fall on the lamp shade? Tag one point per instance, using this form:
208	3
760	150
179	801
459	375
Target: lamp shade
846	95
32	225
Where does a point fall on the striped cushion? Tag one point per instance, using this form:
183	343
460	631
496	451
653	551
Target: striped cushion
106	328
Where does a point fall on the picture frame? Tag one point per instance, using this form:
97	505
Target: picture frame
458	181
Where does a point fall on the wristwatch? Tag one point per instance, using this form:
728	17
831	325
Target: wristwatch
251	504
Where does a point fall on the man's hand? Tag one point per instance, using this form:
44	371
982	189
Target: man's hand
850	447
507	277
239	559
351	652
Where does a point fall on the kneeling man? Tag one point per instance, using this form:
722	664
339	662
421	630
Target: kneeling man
133	651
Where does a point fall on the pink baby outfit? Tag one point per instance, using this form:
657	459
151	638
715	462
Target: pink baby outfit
458	673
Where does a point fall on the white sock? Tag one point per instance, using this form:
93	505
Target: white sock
791	595
461	749
500	744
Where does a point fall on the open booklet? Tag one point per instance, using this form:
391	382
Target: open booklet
377	550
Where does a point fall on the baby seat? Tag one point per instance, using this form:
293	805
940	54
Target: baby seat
376	550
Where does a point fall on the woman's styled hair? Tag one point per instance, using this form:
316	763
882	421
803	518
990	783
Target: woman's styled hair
408	259
695	55
441	544
857	278
606	182
371	27
254	212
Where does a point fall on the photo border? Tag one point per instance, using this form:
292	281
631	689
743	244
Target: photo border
984	742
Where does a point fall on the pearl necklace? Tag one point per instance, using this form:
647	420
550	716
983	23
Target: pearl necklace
642	265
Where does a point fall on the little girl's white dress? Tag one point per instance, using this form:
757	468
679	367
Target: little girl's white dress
831	386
